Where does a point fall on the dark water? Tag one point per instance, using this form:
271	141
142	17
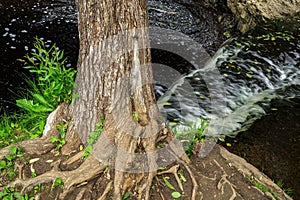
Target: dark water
254	81
20	22
56	22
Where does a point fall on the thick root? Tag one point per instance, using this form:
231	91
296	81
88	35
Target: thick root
42	145
89	169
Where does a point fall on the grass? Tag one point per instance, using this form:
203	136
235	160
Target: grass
288	191
50	84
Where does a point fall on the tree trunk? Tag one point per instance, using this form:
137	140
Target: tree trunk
114	80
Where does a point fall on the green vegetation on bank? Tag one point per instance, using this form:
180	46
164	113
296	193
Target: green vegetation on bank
52	83
191	135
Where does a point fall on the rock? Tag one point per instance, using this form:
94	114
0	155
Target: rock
253	12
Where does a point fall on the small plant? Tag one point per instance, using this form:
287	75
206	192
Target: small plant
191	135
261	186
9	193
54	81
58	183
60	141
37	188
288	191
50	84
135	116
93	138
7	165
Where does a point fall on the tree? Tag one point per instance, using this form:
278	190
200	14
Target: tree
114	83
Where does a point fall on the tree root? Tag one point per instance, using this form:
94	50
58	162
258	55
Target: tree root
42	145
89	169
184	160
173	170
138	184
105	192
224	180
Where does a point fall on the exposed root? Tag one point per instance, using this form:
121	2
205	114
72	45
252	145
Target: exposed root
185	163
80	194
223	181
42	145
162	196
105	192
195	184
19	168
74	158
88	170
35	146
173	170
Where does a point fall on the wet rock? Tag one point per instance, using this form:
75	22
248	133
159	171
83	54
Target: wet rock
253	12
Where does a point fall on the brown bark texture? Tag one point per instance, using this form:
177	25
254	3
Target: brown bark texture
115	80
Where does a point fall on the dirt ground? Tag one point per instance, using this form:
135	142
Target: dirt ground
220	174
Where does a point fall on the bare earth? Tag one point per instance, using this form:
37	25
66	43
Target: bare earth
220	175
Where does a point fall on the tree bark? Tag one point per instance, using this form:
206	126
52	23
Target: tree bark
114	80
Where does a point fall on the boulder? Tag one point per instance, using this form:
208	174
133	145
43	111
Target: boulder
250	13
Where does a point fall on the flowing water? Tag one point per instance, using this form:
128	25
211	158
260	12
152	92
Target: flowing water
237	85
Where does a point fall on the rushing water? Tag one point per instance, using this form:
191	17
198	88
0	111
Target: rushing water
237	85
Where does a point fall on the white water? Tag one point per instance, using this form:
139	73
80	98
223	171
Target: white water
229	99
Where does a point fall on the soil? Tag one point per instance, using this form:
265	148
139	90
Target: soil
220	175
272	145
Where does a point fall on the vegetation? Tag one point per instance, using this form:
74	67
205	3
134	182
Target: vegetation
53	84
288	191
9	193
191	135
261	186
58	183
60	141
7	165
93	138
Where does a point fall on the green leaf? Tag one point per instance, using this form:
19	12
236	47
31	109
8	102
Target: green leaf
41	100
126	196
176	195
13	150
24	104
2	164
54	139
17	195
169	185
9	157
